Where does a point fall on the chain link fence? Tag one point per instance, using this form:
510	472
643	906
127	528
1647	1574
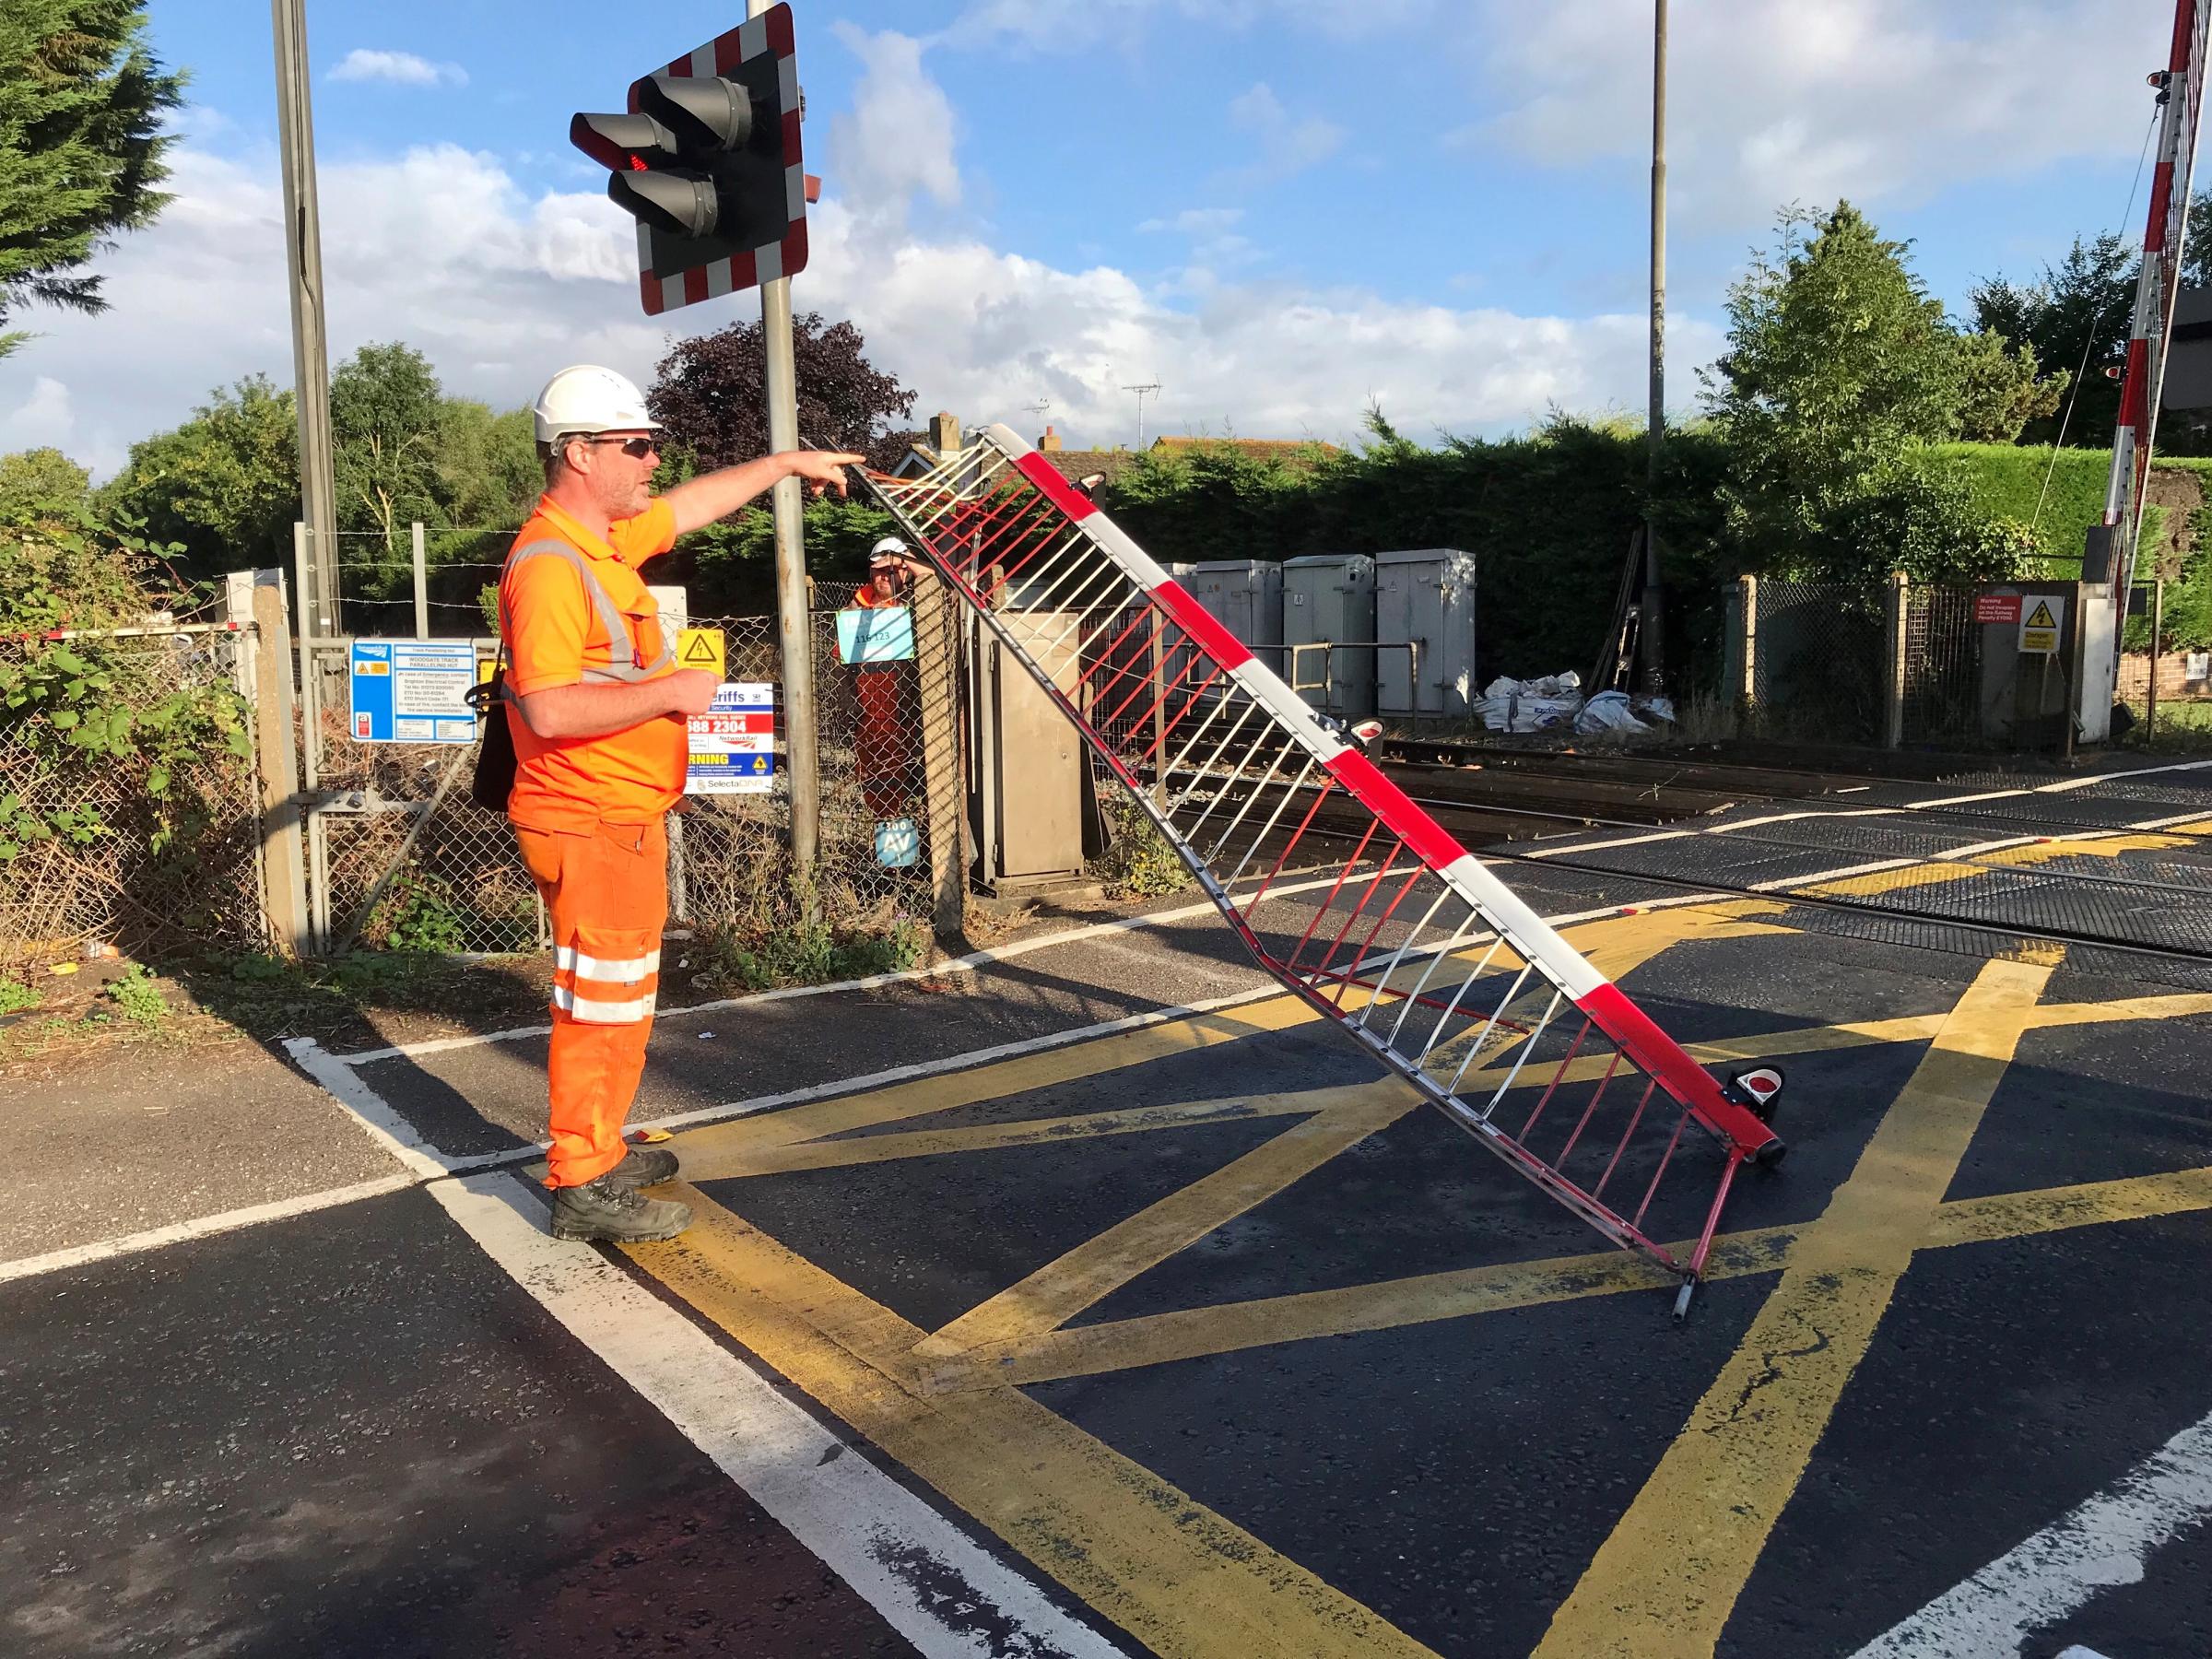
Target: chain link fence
400	856
1817	663
129	802
1943	666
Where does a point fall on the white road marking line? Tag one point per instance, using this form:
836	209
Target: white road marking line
1019	948
370	1110
379	1118
200	1227
903	1556
967	964
1841	871
2102	1543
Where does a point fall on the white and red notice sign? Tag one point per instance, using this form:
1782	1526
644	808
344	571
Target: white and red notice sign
734	743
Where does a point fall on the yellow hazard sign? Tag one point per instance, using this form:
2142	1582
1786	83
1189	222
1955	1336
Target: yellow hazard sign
702	648
2040	628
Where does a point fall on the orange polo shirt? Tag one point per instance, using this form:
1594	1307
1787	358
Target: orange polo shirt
576	783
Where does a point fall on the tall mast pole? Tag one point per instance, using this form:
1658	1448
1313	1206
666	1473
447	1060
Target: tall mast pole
311	351
794	622
1651	634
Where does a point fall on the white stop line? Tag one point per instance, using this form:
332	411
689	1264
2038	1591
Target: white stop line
2101	1544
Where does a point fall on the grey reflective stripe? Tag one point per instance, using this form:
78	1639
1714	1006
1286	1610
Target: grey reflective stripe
611	617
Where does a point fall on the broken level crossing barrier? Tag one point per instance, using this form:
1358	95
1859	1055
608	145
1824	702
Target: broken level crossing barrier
1421	954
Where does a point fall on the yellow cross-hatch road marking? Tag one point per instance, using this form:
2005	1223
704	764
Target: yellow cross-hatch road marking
1061	1289
1616	945
1460	1293
1184	1581
1666	1581
702	648
1941	869
1189	1581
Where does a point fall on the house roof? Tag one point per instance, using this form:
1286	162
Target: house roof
1074	465
1259	448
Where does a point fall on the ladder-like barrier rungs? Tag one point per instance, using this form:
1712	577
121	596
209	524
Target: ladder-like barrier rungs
1237	772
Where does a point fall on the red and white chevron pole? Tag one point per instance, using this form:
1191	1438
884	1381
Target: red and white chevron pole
2156	287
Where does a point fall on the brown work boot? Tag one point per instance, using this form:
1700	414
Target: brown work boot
608	1211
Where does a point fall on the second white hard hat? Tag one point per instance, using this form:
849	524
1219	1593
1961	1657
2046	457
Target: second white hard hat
890	547
588	398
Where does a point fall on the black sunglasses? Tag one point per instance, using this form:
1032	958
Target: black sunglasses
635	448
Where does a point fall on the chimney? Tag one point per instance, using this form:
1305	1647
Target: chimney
1050	442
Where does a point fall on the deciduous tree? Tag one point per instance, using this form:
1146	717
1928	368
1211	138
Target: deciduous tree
40	477
1839	368
711	392
225	484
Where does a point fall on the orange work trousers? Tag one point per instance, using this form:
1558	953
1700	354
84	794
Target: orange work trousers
607	895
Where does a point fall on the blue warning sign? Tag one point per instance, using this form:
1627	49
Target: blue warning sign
413	691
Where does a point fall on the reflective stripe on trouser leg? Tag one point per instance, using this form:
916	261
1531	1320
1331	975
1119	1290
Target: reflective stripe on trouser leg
607	898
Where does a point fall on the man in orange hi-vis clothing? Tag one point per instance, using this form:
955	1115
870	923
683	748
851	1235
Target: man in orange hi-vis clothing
597	707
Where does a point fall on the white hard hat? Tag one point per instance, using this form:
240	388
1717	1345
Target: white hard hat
588	398
890	546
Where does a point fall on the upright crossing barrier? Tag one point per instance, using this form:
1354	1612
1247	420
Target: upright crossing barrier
1414	947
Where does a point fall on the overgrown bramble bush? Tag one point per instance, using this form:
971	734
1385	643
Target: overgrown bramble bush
107	740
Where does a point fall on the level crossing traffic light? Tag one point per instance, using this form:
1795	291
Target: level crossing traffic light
706	162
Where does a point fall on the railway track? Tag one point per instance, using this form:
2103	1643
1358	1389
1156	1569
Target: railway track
1855	853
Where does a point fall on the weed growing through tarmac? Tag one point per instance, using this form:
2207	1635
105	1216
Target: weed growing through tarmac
1138	863
139	1000
726	959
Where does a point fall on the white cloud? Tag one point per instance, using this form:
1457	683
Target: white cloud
397	69
1873	99
43	417
898	138
442	248
1288	147
1068	27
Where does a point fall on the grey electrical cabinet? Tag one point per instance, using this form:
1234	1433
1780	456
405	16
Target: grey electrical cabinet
1425	597
1329	598
1247	595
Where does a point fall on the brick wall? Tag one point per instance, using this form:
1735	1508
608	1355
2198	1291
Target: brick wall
2174	684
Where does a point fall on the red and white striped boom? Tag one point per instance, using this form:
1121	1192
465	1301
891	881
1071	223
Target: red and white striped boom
2158	283
1406	940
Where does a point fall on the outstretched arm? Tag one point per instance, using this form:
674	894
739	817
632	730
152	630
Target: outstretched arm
718	494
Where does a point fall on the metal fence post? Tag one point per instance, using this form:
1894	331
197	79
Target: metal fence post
1893	674
284	857
422	585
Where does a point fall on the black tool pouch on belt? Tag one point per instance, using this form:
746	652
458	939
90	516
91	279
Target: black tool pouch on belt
494	781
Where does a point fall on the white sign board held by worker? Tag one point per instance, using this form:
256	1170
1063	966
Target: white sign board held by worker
413	691
2042	619
734	743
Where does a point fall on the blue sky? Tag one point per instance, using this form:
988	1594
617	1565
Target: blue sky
1275	208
